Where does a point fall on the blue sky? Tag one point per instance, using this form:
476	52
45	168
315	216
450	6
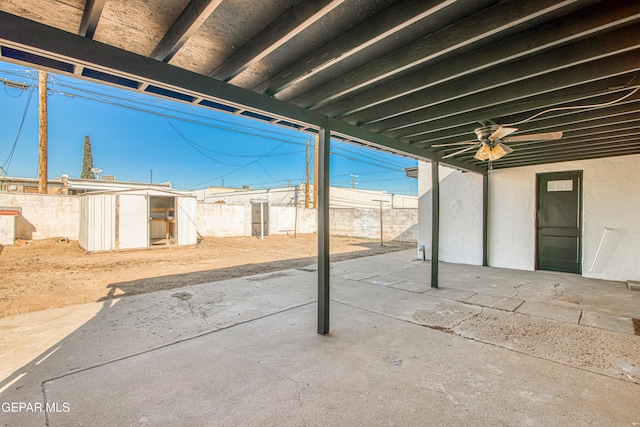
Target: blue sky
133	134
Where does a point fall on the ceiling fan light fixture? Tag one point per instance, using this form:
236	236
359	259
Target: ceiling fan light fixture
484	153
498	151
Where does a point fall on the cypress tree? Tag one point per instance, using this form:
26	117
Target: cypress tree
87	160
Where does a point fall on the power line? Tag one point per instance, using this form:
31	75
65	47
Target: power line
345	150
5	166
239	169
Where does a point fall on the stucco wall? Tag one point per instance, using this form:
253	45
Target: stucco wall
611	199
7	230
44	216
221	220
460	214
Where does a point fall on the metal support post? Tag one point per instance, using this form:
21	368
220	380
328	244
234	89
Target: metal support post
485	220
324	146
435	223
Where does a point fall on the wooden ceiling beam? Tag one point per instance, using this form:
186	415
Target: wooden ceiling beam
191	18
510	82
563	155
90	18
597	92
287	26
571	28
502	19
511	94
384	24
570	120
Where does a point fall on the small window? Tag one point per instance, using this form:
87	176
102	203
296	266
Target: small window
560	185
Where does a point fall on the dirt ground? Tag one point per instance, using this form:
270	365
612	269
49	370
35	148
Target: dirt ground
43	274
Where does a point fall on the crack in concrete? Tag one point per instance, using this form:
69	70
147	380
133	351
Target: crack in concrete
486	343
200	313
298	395
468	319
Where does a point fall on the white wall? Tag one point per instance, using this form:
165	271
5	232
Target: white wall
611	198
460	214
221	220
7	230
44	215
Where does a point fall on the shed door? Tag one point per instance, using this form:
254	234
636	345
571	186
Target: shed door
186	219
133	221
559	227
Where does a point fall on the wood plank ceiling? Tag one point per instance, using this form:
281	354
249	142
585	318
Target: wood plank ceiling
405	76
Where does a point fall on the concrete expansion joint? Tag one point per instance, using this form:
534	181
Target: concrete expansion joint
439	328
518	306
44	401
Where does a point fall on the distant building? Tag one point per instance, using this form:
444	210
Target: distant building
70	186
340	197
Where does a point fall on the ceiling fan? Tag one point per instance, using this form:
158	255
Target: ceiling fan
491	142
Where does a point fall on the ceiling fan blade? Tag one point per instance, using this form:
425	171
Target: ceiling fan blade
501	133
455	143
460	151
534	137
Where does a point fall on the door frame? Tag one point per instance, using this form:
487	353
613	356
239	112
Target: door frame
559	175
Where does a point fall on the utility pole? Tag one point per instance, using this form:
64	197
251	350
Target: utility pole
306	187
353	180
151	176
315	172
44	134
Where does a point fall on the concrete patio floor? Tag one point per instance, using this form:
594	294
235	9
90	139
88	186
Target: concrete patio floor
489	347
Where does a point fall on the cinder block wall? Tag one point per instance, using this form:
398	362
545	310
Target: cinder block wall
222	220
44	216
48	216
397	224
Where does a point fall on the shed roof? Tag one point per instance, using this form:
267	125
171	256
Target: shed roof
149	191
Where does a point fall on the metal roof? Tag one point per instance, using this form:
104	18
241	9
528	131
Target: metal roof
401	76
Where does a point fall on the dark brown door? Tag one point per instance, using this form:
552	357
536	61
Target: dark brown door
559	225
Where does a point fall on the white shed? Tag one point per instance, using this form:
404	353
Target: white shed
137	218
